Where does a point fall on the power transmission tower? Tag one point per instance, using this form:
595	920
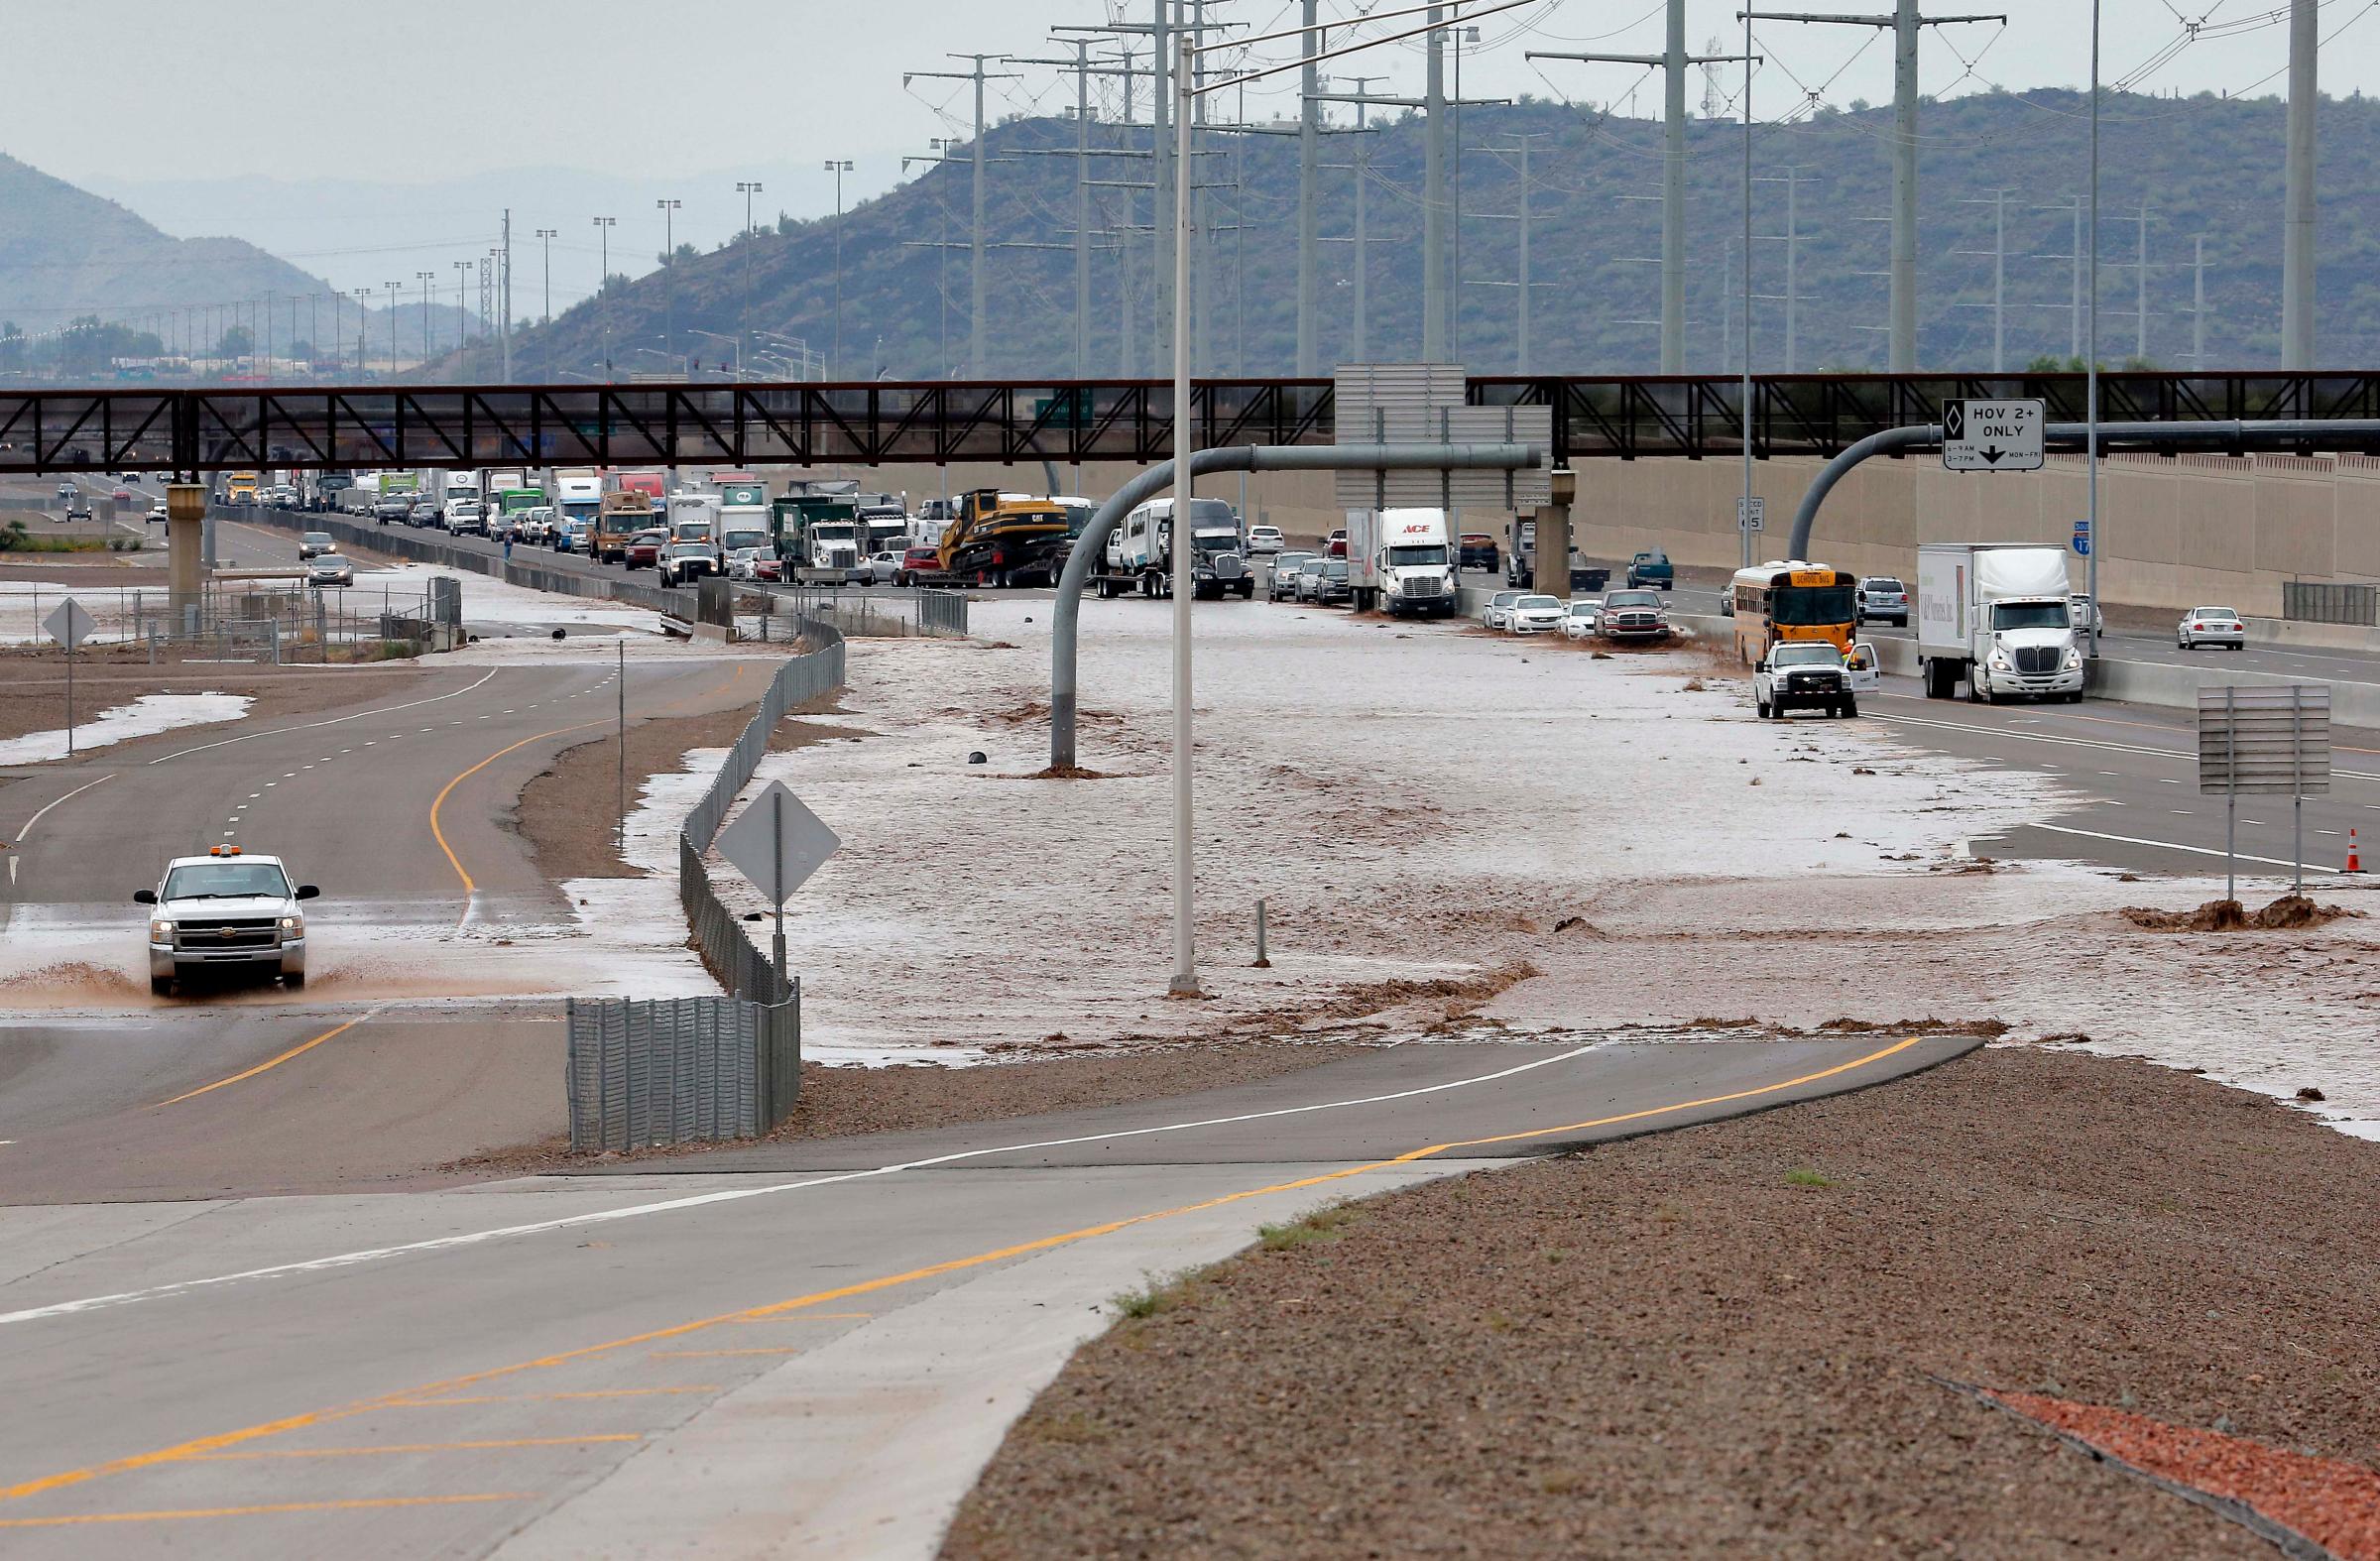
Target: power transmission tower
1159	32
2197	301
1999	272
1520	215
1309	147
1358	340
1901	349
1791	178
975	238
1084	69
1672	63
2074	255
2297	229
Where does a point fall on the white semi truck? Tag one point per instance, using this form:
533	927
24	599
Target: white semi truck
1996	614
1409	558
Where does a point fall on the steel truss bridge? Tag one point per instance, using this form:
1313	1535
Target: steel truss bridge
1634	417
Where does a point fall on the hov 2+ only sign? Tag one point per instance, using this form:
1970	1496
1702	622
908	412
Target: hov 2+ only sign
1991	435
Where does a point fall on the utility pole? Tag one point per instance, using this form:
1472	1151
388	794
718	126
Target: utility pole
1433	193
1999	272
1672	63
1082	154
1309	146
838	167
462	310
1901	351
1791	178
2296	230
425	277
2197	301
1520	165
504	295
392	287
2140	284
975	238
669	210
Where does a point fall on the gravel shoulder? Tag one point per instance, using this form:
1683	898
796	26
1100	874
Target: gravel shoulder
1723	1340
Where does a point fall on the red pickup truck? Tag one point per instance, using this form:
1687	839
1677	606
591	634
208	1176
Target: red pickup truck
644	550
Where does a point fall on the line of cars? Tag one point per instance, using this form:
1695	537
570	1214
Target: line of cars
1638	615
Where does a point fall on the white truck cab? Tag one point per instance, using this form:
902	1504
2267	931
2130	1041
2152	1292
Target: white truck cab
1999	615
225	909
1413	561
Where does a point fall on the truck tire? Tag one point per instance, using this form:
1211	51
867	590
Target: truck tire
1763	707
1247	591
1849	710
161	986
293	980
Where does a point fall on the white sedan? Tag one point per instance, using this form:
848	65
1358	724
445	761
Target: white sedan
1497	614
1579	622
1535	614
2210	626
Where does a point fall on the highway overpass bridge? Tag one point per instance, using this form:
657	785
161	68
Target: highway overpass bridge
1624	417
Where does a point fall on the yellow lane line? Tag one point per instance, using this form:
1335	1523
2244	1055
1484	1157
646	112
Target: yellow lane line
409	1401
469	887
272	1062
348	1505
422	1447
185	1450
815	1317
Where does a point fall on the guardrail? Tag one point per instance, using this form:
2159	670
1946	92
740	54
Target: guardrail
679	1070
718	934
2309	601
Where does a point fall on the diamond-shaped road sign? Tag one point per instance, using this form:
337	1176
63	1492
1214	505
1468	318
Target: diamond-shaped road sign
1991	435
68	624
776	843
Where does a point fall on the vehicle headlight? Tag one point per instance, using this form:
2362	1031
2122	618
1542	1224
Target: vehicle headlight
1999	661
2074	659
294	925
161	931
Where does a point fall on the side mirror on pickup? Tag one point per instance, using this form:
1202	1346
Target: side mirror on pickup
144	897
308	891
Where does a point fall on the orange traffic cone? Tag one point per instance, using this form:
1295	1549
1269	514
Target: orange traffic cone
2354	859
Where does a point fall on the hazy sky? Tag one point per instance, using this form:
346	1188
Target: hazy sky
682	100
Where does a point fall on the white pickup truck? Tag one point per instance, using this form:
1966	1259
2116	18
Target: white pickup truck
226	910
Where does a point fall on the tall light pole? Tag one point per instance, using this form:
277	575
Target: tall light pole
834	362
545	238
462	309
747	188
2297	229
392	287
975	237
736	339
2091	359
363	348
425	277
604	226
669	210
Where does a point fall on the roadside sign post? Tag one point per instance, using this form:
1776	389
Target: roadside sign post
69	624
778	843
1749	512
1991	435
2267	739
2083	542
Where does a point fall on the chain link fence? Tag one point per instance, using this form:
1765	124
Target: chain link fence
679	1070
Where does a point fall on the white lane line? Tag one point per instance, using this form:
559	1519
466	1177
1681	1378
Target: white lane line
2188	755
2132	840
334	721
739	1194
37	817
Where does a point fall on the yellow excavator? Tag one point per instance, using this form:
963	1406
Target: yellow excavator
1007	538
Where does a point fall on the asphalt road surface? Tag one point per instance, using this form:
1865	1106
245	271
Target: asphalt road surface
398	809
811	1358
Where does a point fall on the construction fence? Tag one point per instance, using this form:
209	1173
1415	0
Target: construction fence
2318	602
679	1070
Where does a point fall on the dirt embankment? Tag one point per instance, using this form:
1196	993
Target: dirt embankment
1724	1341
569	810
33	687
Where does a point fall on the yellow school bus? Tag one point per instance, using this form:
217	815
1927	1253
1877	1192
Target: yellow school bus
1792	600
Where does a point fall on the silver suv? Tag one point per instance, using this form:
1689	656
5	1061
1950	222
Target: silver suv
225	909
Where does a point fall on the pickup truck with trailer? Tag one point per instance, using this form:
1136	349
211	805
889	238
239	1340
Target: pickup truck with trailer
1998	616
1520	562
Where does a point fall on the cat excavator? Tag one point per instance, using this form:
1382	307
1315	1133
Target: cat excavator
1007	538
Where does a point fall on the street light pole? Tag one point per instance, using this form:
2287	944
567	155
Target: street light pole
838	167
669	210
2091	359
1185	950
747	188
604	226
425	277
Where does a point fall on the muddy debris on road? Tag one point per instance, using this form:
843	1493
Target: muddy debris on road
2230	915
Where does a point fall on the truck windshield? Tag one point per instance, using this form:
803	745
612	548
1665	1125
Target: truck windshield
2031	615
693	530
1415	557
1806	653
225	881
1211	541
736	539
1810	606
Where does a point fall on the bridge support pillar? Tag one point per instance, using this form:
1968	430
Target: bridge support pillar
185	562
